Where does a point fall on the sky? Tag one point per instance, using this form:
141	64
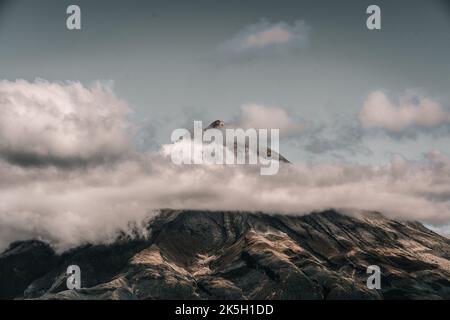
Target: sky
170	61
86	115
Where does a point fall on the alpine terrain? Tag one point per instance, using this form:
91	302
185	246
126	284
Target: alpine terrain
241	255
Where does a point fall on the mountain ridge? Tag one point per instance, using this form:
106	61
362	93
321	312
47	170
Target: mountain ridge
191	254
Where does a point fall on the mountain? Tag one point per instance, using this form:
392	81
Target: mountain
266	153
241	255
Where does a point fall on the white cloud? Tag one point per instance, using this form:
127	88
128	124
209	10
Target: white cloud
69	206
273	35
51	123
265	37
263	117
379	111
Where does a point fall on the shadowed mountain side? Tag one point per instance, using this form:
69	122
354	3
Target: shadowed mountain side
237	255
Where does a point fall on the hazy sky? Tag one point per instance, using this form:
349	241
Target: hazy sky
364	114
175	61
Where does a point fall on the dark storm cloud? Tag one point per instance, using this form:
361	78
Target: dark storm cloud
24	159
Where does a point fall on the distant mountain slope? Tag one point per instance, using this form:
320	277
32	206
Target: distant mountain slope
235	255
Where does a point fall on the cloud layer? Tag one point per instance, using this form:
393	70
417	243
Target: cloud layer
72	205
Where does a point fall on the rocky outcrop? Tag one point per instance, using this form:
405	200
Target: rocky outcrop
235	255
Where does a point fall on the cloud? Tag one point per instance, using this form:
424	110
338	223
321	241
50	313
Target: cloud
265	38
263	117
44	123
73	205
337	137
77	206
379	111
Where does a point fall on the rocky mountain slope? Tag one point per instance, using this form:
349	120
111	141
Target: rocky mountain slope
235	255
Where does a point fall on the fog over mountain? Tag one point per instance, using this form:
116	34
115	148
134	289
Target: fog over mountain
71	174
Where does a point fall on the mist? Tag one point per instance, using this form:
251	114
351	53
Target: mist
115	188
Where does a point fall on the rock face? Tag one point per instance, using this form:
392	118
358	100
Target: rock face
234	255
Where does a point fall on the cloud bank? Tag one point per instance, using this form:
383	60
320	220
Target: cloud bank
379	111
72	205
